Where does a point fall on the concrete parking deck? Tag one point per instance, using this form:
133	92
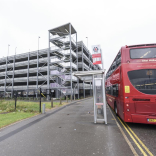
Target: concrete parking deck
65	131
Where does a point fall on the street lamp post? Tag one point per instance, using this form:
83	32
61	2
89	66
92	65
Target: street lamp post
8	49
15	50
37	65
87	42
38	42
6	71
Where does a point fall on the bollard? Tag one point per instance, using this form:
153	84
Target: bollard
43	109
51	102
74	97
67	98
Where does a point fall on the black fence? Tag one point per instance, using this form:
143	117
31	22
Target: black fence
29	100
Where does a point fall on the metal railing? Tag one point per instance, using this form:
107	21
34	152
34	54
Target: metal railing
64	39
23	79
67	64
80	64
25	63
31	70
67	52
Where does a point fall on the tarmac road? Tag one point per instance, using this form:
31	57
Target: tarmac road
146	133
65	131
141	136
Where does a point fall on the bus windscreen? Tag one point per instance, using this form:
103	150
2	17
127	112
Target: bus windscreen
143	53
143	80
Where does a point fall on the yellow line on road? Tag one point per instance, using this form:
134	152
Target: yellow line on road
139	140
124	135
142	151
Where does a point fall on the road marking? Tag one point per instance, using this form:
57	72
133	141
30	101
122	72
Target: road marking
125	137
142	151
139	140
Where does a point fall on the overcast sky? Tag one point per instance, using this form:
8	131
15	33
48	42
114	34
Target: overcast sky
110	23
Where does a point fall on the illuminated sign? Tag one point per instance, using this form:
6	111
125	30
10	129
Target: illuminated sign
145	54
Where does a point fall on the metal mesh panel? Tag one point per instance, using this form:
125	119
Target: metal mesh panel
99	93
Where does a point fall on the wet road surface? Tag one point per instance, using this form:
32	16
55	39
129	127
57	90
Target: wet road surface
144	135
147	134
66	131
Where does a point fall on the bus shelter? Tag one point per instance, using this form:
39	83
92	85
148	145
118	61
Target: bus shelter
97	77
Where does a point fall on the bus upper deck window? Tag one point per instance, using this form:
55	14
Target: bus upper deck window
143	53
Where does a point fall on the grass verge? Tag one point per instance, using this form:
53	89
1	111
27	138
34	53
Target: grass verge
24	106
7	119
24	109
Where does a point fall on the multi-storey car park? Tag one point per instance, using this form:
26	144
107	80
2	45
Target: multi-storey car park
50	69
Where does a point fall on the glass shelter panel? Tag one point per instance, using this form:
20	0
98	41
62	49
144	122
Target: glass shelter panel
98	91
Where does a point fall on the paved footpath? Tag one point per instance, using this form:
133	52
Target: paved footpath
65	131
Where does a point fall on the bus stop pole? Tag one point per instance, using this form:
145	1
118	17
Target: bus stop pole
104	98
103	90
93	85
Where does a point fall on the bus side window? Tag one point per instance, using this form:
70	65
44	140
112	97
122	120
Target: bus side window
115	90
118	59
114	65
108	90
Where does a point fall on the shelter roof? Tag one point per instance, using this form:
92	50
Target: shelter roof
87	76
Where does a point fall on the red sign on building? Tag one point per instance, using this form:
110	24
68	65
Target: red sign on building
96	56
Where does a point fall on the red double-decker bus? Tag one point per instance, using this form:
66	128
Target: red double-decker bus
131	84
